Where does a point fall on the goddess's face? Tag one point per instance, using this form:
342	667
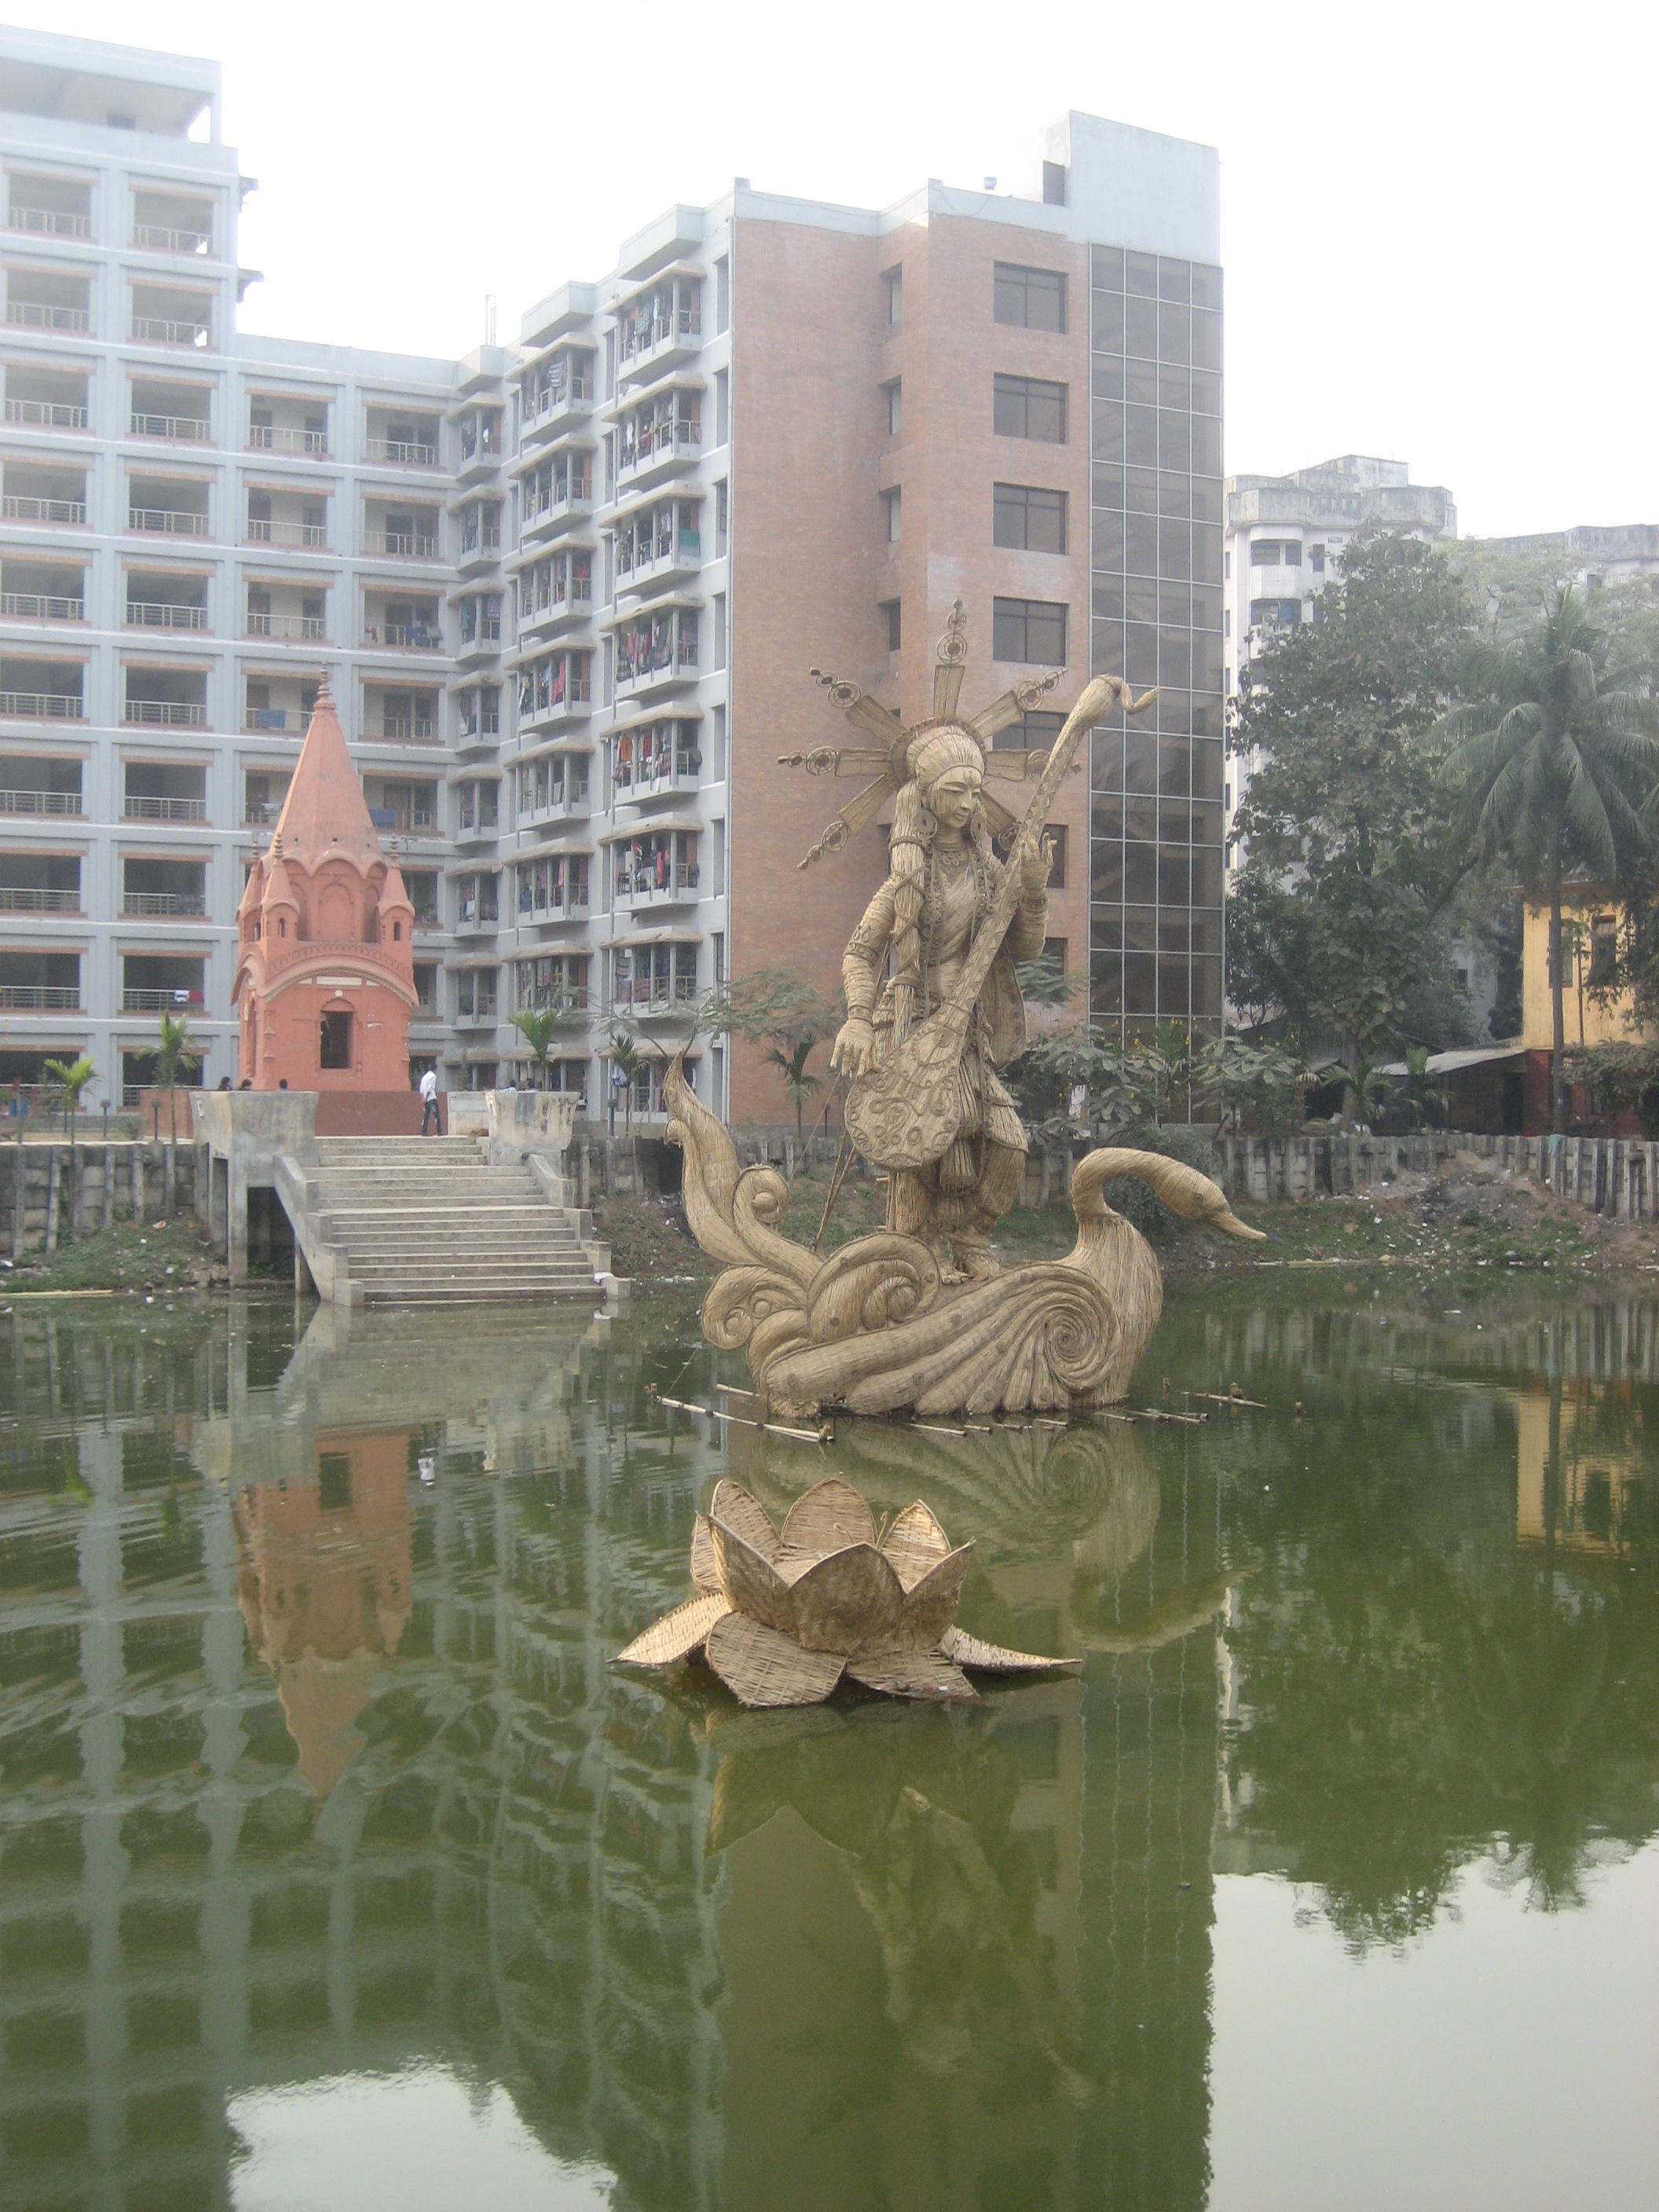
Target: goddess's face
954	796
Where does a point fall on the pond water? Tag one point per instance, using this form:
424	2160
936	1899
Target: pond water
339	1869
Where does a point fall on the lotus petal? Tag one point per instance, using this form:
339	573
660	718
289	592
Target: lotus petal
997	1658
705	1567
913	1543
751	1583
733	1504
850	1601
827	1518
762	1667
914	1674
677	1636
930	1606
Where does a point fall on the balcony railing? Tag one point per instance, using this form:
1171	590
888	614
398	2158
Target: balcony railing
569	905
137	1001
156	238
24	507
297	719
413	637
657	442
476	632
408	729
183	430
171	714
26	898
42	606
47	414
39	802
408	545
278	438
576	691
405	820
162	330
44	706
290	626
470	823
41	315
484	1013
168	521
144	809
481	541
40	998
400	450
657	665
162	614
654	998
262	530
188	905
643	886
47	222
563	1006
472	916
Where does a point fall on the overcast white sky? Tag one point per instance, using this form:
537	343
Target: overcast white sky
1437	220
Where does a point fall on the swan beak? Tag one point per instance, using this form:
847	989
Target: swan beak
1229	1226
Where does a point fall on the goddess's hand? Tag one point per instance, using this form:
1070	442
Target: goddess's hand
854	1049
1034	871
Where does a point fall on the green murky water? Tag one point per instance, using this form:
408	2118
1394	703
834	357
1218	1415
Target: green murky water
337	1868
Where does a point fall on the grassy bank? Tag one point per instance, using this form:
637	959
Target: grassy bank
160	1261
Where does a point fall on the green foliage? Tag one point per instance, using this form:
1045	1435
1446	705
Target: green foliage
536	1026
796	1081
775	1004
1045	982
175	1051
1551	769
65	1082
627	1058
1338	917
1424	1092
1140	1204
1261	1088
1620	1074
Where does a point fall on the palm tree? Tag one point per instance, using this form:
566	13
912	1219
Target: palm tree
1553	771
796	1081
626	1059
65	1081
535	1026
176	1051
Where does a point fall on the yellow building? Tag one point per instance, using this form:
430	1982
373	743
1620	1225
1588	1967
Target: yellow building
1589	938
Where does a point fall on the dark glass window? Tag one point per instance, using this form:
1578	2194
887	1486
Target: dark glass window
1106	267
1027	407
1029	299
1029	629
1030	518
1031	734
890	608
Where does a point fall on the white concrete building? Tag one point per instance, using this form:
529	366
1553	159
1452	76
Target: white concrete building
1284	538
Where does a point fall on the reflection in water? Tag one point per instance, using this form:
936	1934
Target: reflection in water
313	1771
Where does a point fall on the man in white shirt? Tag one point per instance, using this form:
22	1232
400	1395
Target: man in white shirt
429	1101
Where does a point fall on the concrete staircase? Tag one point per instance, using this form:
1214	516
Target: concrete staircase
427	1221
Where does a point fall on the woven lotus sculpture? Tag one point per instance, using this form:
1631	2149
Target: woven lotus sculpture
783	1616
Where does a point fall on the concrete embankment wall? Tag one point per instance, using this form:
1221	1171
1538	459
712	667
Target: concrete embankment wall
44	1196
1615	1175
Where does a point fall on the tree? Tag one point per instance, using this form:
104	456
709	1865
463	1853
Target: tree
1424	1092
796	1081
537	1025
65	1081
1338	922
1261	1086
176	1051
627	1059
1551	770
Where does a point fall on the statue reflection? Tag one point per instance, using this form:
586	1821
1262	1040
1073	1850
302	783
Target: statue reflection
323	1587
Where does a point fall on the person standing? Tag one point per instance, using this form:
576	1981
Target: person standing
429	1101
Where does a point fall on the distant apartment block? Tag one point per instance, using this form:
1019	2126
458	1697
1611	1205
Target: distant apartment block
569	592
1285	536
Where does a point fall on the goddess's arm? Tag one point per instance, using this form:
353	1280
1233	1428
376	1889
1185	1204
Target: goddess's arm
1028	932
853	1053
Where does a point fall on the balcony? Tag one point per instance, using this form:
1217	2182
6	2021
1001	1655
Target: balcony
290	721
479	442
57	316
39	982
477	920
35	507
553	804
172	330
661	777
42	706
168	521
655	999
263	623
172	222
567	693
142	808
283	438
659	327
39	998
160	238
646	886
480	541
402	544
655	448
651	658
30	898
166	714
180	429
547	509
42	606
40	883
265	530
47	414
154	984
563	401
165	614
419	634
407	730
40	789
163	906
659	557
471	823
66	222
405	440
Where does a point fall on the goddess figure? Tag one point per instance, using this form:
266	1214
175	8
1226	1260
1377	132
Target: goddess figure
942	883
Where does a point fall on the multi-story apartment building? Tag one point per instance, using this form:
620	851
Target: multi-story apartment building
569	593
1284	539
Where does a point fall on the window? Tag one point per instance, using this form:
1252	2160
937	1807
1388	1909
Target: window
722	406
1029	629
1029	299
719	629
890	608
718	947
1030	518
1291	553
720	519
1317	559
723	293
1026	407
1031	734
1604	952
894	395
717	744
890	499
894	280
1054	184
